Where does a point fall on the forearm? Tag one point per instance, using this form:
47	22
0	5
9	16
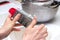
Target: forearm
4	31
1	34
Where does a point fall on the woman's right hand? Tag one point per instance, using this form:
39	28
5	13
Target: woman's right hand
35	33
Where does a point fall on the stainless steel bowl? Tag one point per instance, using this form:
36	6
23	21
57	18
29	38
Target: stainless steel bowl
44	11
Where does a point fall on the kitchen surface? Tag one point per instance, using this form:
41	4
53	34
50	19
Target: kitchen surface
53	26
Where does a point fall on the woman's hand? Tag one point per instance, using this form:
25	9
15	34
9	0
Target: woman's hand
35	33
9	26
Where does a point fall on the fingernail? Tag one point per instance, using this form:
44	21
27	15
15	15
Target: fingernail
35	16
42	24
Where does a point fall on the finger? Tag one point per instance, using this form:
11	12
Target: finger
17	17
18	25
43	39
38	29
43	31
45	35
34	21
41	27
40	36
16	29
9	17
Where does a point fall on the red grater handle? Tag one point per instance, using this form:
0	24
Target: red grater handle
12	11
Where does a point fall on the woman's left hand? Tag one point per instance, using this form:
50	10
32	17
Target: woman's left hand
9	26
